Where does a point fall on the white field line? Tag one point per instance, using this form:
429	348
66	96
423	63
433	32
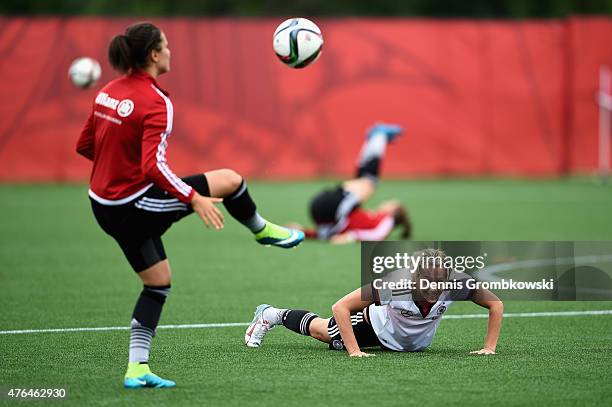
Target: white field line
234	324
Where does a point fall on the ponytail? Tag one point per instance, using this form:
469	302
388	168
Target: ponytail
120	54
131	50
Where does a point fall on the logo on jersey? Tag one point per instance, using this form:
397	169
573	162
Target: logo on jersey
406	313
441	310
125	108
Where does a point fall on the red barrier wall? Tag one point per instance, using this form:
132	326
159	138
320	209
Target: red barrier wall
476	97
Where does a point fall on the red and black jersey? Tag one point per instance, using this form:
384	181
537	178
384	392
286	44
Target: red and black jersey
126	136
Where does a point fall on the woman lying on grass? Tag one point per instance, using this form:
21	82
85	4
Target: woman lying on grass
401	320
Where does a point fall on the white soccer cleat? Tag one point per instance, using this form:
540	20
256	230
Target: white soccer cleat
258	329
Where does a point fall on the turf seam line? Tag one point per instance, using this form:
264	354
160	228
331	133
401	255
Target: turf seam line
235	324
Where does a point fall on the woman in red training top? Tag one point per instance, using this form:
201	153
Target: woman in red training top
135	195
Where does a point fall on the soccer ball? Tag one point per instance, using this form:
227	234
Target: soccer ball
297	42
84	72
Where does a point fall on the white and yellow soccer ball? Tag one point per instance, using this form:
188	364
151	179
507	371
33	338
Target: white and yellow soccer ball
297	42
84	72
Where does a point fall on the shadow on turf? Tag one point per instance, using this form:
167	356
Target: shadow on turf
322	349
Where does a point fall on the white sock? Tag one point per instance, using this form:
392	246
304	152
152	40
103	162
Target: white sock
140	342
273	315
255	223
374	147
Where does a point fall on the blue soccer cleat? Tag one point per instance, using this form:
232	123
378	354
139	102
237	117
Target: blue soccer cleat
274	235
147	380
392	131
139	376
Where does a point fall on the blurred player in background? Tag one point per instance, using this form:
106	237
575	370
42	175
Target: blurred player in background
338	213
401	320
136	197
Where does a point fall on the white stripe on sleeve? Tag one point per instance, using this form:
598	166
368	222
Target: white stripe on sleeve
175	181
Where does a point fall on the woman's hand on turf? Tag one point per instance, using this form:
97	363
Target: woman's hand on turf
360	354
207	211
483	351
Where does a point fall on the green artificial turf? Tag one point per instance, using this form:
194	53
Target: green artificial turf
59	270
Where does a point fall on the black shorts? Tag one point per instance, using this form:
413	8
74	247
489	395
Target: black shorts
137	226
324	206
365	335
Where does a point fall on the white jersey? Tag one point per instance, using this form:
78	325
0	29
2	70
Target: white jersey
398	322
